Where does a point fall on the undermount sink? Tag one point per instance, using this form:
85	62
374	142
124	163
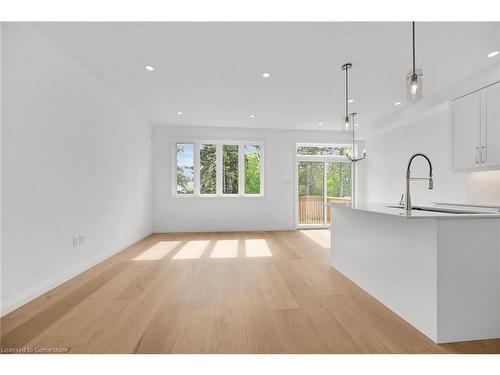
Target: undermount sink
443	210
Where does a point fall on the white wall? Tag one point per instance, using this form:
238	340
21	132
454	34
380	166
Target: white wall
75	159
274	211
382	174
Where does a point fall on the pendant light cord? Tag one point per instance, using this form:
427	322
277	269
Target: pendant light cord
413	29
346	91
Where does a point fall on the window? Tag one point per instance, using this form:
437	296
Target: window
310	150
230	170
219	169
252	169
208	169
185	167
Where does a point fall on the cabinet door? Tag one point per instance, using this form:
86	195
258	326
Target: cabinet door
466	120
490	126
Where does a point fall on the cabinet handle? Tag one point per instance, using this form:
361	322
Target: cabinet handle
475	156
483	152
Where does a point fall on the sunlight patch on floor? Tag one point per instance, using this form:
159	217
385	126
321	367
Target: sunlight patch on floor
191	250
257	248
320	237
225	249
158	251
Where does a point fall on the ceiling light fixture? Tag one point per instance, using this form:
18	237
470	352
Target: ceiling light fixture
493	53
252	116
351	100
397	103
266	75
348	120
320	123
349	116
179	113
414	77
149	68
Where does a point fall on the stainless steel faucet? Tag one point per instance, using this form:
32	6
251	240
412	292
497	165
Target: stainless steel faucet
408	178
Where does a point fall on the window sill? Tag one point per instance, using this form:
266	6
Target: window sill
217	196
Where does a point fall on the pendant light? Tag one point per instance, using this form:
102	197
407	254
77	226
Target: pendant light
349	117
414	77
349	124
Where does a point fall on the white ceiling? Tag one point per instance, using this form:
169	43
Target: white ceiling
212	71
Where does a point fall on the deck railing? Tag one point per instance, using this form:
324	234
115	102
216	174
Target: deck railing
311	208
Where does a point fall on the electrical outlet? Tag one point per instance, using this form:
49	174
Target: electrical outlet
77	240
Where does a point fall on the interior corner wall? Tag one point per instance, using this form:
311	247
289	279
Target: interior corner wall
275	211
76	160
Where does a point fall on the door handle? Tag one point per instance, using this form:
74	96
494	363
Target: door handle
475	156
483	152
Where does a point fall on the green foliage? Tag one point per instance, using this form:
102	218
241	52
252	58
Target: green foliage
252	172
310	178
338	179
184	175
318	150
230	169
208	169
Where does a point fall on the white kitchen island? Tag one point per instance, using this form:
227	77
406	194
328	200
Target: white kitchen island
438	271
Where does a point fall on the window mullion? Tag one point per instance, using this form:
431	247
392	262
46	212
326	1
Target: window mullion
218	161
196	172
241	170
261	175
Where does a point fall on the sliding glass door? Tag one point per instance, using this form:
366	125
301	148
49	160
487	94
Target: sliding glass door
338	184
319	183
311	191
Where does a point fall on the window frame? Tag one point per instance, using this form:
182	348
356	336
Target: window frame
219	168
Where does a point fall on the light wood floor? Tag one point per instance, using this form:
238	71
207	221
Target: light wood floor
258	292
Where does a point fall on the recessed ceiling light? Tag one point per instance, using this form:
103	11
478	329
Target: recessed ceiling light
179	113
351	100
493	53
397	103
252	116
320	123
149	68
266	75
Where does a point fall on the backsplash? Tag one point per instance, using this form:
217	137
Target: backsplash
483	187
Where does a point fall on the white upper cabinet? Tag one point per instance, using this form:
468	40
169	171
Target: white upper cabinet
475	130
466	117
490	126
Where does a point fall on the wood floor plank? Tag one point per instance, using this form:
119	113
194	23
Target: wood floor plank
233	292
197	328
298	333
32	327
92	306
356	326
161	333
22	314
229	328
327	326
118	328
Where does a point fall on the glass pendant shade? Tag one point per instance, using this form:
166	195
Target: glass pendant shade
414	85
347	122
